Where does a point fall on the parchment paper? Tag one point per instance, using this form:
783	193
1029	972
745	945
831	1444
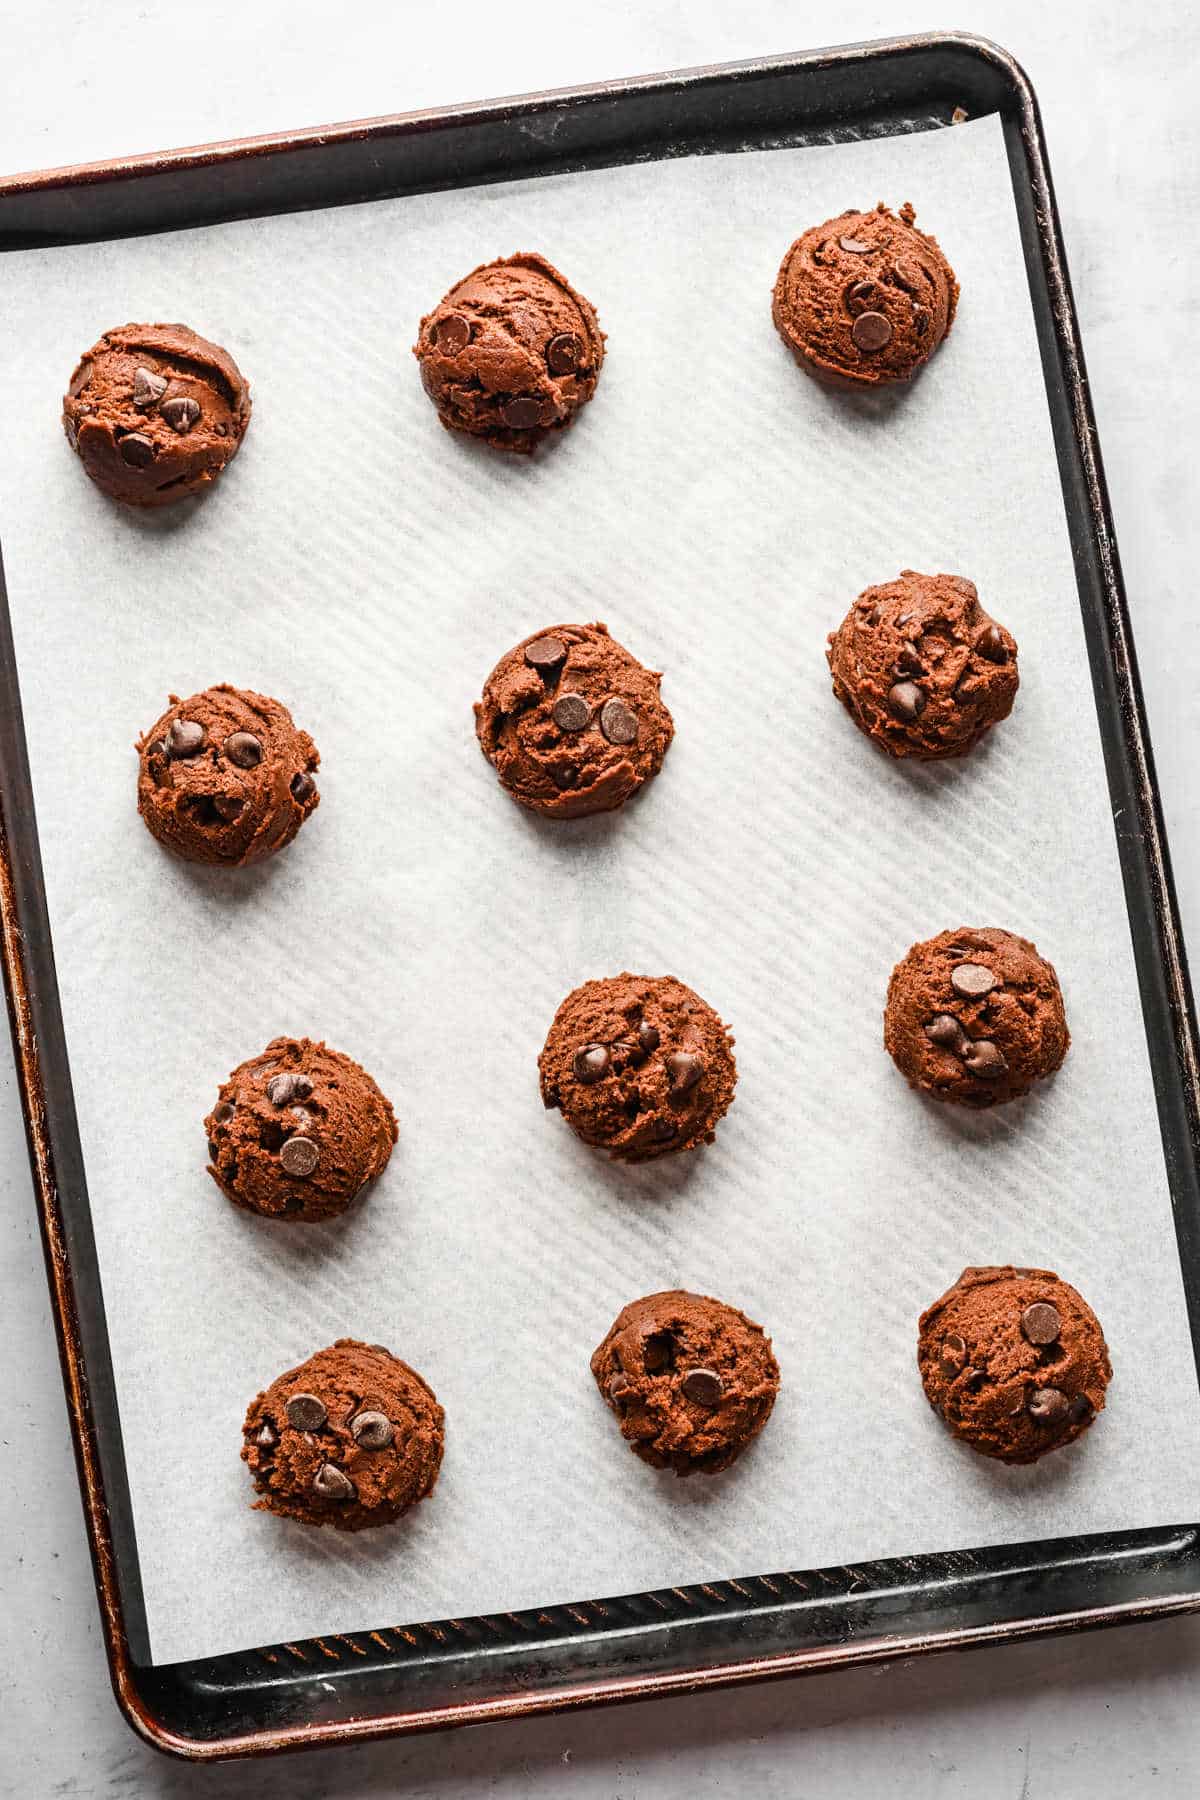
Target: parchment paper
720	512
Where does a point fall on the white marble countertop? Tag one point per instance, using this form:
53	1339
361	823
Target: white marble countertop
1111	1714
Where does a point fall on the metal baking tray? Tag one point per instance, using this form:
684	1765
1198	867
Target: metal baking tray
376	1682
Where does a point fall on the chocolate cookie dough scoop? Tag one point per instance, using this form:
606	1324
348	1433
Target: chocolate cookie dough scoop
691	1380
1013	1361
351	1438
865	298
511	353
226	776
639	1066
154	413
298	1132
572	723
921	668
975	1016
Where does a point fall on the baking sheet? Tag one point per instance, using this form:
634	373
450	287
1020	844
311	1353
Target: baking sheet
720	511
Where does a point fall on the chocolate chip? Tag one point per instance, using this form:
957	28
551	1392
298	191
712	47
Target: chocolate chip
452	334
184	737
855	246
1081	1408
299	1156
871	331
907	701
137	450
907	273
862	296
333	1483
372	1430
704	1386
618	722
157	748
1049	1406
243	749
572	713
148	388
618	1385
546	654
306	1413
267	1436
954	1353
227	806
991	645
945	1031
213	1150
920	321
290	1085
80	378
564	775
522	412
909	661
983	1060
225	1112
663	1131
685	1071
658	1352
591	1064
648	1038
563	353
1041	1323
971	980
181	413
303	787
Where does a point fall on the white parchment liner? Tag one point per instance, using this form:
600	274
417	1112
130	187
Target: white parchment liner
720	511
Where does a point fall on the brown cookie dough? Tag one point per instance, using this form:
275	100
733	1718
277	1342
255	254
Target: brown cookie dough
1014	1361
975	1016
298	1131
865	298
690	1379
351	1438
155	412
638	1065
572	723
921	668
226	776
511	354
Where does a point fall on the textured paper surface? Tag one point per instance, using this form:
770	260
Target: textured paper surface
720	511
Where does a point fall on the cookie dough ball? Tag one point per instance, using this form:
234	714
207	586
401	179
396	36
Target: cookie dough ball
154	413
572	723
1014	1361
690	1379
638	1065
865	298
975	1016
921	668
298	1132
351	1438
226	776
511	354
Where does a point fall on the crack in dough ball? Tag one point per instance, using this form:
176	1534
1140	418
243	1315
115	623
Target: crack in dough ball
1013	1361
921	668
226	776
511	353
639	1066
351	1438
864	299
572	723
154	413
